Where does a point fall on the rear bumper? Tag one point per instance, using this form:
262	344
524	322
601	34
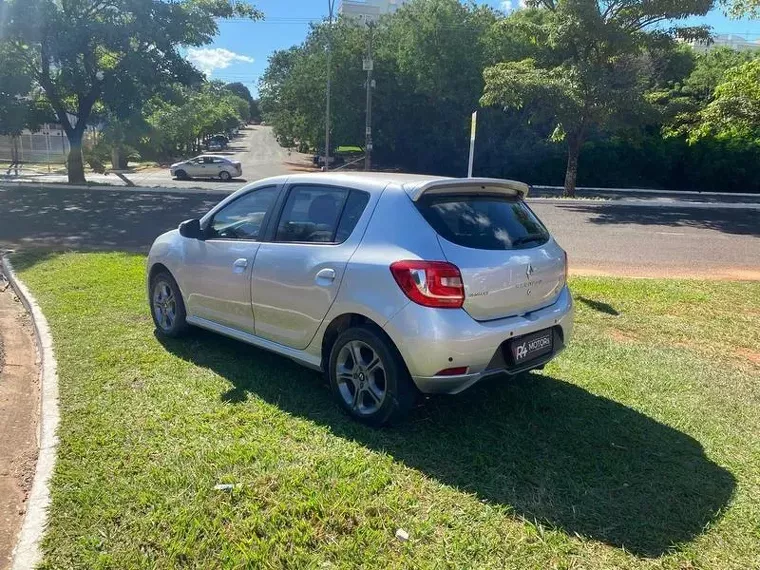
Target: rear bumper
431	340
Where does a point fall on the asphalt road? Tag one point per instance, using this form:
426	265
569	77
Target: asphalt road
656	240
255	148
606	237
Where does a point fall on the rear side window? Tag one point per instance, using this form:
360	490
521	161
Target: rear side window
484	221
354	209
320	214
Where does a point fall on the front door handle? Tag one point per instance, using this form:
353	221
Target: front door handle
240	265
325	276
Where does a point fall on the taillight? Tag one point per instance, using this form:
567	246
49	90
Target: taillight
430	283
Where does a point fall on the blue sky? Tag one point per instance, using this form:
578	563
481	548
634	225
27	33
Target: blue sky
241	50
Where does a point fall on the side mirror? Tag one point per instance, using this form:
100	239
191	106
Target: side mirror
191	229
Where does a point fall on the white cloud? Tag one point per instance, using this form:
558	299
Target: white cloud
511	5
210	59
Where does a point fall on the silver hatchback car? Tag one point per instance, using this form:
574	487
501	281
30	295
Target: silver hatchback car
392	285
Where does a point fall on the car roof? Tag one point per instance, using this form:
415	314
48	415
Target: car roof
368	181
209	156
413	184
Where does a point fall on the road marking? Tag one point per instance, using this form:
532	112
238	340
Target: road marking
671	233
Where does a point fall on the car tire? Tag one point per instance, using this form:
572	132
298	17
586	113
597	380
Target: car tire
225	176
167	306
375	395
181	175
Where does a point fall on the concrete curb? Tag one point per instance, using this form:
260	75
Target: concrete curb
647	191
130	189
27	553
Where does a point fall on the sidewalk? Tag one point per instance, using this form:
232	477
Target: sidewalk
646	195
158	181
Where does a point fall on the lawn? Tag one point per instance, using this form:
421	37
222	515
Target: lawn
638	448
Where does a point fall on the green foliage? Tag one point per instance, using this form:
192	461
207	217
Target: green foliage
20	108
597	77
741	8
177	126
589	69
428	61
681	102
244	93
734	111
117	53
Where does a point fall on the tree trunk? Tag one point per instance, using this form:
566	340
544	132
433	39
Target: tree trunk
571	174
74	162
118	158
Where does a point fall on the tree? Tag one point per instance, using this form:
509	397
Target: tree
85	52
735	110
180	122
588	74
681	102
244	93
256	110
741	8
428	62
20	107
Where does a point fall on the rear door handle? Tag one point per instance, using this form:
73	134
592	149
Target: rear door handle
240	265
325	276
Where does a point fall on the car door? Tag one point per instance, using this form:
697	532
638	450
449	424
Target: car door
220	164
199	167
296	274
208	168
218	267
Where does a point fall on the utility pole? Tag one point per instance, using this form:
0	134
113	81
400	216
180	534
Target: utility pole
330	7
368	66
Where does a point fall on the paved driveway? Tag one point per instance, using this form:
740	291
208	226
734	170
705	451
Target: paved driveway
608	237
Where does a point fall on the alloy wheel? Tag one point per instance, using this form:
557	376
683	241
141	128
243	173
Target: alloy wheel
164	305
361	378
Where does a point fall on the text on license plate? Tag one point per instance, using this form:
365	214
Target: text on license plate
532	346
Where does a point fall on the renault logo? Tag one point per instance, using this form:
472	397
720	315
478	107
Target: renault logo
529	271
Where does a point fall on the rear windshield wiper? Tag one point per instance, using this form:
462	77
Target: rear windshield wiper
529	238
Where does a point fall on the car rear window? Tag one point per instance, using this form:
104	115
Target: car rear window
484	221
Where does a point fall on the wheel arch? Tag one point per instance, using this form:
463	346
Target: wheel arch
155	269
343	322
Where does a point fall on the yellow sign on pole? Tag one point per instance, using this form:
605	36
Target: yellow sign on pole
472	143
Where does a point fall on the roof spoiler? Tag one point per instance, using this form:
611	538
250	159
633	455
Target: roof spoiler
467	185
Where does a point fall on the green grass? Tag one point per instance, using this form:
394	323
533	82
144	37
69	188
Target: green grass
638	448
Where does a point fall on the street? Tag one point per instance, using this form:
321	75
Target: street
255	148
646	239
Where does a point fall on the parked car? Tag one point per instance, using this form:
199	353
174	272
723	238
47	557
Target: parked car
214	145
341	155
207	166
319	159
220	139
392	285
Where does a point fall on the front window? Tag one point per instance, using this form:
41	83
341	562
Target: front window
243	218
311	214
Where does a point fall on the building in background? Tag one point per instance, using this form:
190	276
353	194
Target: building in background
739	42
365	11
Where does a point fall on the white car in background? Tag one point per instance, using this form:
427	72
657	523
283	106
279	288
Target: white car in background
207	166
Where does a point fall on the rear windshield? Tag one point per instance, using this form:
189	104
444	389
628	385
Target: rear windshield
484	221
